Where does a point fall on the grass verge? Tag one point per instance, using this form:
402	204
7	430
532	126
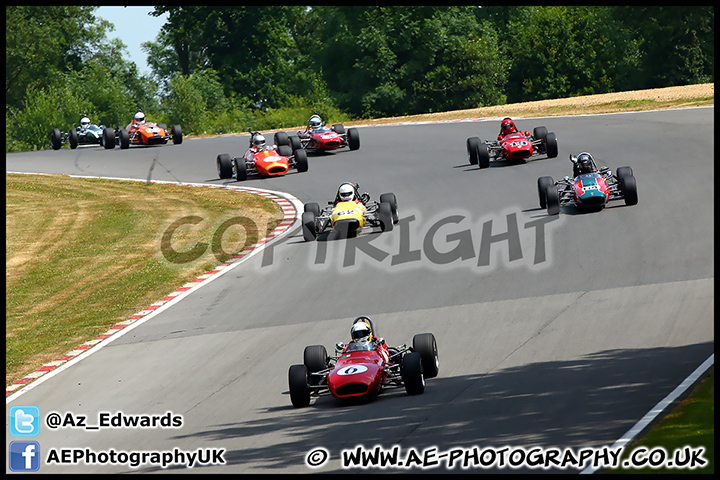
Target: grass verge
83	254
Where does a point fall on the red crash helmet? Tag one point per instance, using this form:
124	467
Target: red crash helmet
507	126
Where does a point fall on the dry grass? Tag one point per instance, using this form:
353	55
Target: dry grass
82	255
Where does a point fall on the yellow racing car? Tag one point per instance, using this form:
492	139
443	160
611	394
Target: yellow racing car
349	213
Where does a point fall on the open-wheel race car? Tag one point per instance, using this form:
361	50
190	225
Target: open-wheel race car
261	159
590	188
141	132
86	134
319	138
362	369
517	146
349	214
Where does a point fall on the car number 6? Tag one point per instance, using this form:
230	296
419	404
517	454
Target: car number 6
352	370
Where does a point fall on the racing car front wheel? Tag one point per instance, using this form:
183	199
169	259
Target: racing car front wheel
224	166
543	183
353	138
308	226
392	200
386	216
299	390
73	139
629	189
412	373
301	160
553	200
426	346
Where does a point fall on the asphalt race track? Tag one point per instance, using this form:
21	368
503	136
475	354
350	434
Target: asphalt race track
553	332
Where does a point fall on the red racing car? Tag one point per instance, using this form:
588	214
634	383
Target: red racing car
363	370
261	159
321	139
515	146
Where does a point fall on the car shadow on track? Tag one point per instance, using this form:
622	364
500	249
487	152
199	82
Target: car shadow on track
578	403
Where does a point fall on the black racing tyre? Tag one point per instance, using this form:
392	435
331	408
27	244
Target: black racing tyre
623	172
472	149
426	346
281	138
108	138
298	383
353	138
339	129
301	160
56	139
629	189
224	166
240	169
315	358
176	134
284	150
539	133
543	183
392	200
73	138
124	139
295	142
483	155
553	200
551	145
308	226
312	207
386	217
412	373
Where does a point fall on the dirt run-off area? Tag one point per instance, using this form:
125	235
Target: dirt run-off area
636	100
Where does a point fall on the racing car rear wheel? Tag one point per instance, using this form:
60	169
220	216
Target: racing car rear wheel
124	139
553	200
73	139
108	138
386	216
339	129
315	358
353	138
308	226
392	200
628	186
412	373
56	139
176	134
284	150
472	149
240	169
224	166
295	142
543	183
551	146
299	390
281	138
426	346
301	160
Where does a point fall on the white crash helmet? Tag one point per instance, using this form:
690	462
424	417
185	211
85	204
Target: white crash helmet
84	122
361	332
346	192
139	117
258	140
315	121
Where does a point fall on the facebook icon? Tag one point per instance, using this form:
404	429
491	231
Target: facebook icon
24	456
